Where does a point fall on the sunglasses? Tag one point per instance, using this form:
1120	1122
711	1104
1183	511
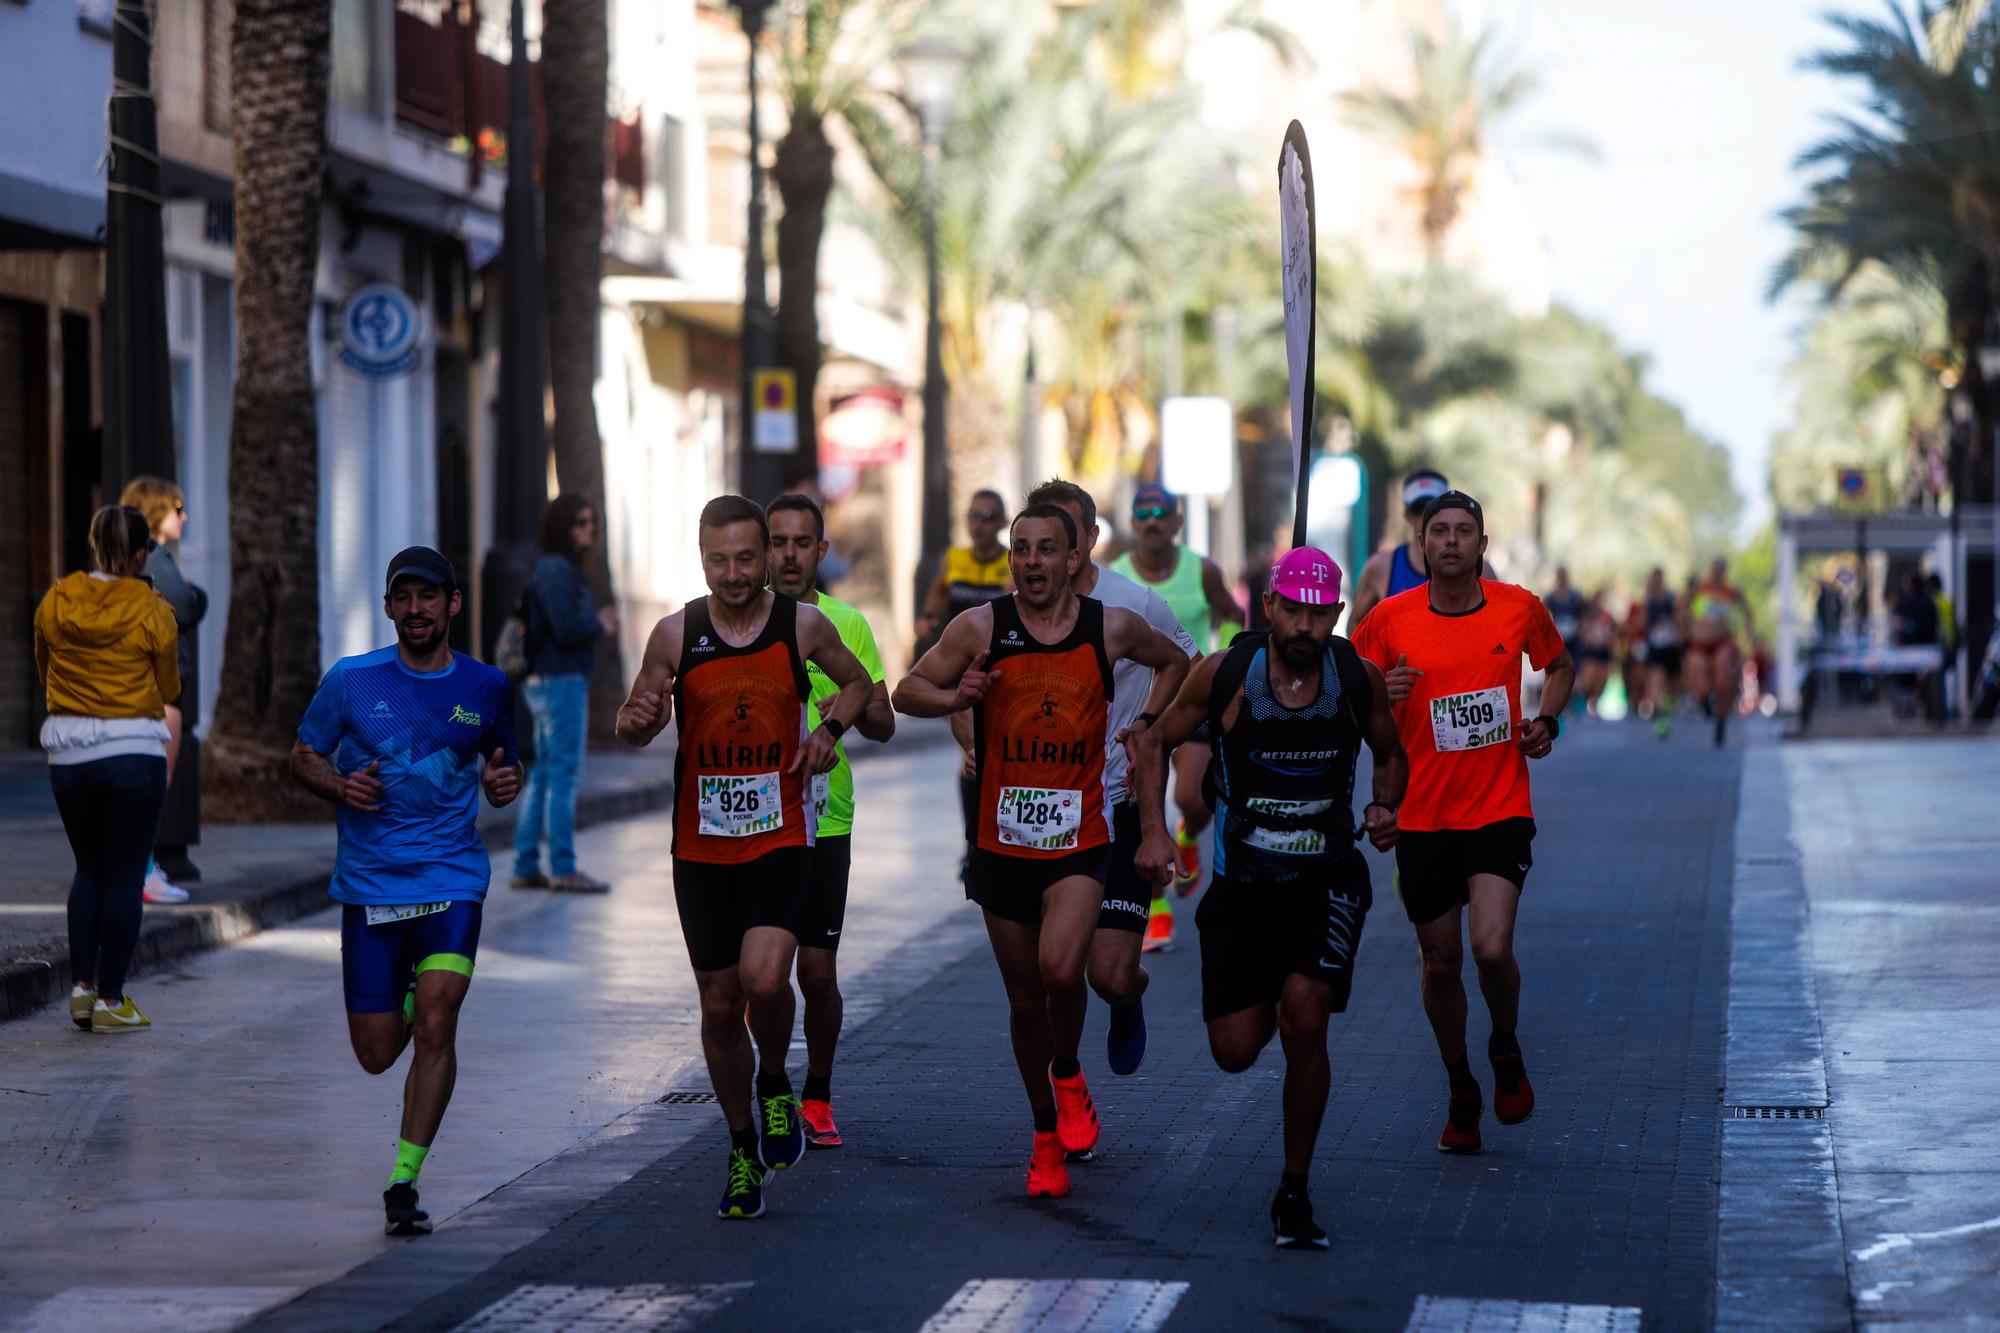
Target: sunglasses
984	515
1152	511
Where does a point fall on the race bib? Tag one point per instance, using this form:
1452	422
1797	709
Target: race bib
1664	634
1566	626
1043	818
383	915
822	793
739	806
1286	842
1471	721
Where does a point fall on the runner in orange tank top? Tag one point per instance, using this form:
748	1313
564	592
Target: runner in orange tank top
1035	669
1450	652
733	665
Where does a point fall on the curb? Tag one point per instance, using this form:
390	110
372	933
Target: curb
30	985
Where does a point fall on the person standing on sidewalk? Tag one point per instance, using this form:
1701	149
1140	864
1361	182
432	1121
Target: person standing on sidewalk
1290	710
798	544
1450	653
105	650
564	624
1193	586
1115	971
395	739
1035	668
732	668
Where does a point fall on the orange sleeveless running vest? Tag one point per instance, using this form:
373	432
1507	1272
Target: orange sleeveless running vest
742	716
1039	734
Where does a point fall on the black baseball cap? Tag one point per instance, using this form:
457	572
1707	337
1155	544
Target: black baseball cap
1455	500
421	562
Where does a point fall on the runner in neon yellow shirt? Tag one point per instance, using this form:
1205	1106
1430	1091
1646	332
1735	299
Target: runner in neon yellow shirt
798	544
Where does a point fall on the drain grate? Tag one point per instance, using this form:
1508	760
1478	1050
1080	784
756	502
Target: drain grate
686	1099
1771	859
1777	1112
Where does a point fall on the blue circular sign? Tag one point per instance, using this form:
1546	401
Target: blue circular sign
378	330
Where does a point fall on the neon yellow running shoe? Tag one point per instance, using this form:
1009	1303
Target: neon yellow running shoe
81	998
124	1018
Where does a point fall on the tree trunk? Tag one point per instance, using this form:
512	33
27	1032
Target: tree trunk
803	172
270	658
575	57
984	450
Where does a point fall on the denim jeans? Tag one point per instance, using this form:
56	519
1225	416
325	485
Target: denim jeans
560	706
110	810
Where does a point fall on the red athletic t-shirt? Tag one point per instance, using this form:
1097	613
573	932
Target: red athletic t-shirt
1461	719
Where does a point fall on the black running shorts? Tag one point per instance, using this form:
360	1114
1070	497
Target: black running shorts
1011	887
1255	933
826	895
1436	868
1127	896
719	902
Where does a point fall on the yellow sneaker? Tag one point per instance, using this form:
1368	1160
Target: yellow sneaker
125	1018
80	1000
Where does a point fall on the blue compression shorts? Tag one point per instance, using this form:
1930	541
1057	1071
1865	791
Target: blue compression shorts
378	962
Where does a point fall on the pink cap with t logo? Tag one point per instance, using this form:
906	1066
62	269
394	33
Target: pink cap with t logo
1306	575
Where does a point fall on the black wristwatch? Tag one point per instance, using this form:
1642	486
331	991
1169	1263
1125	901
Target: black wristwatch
1148	718
1554	724
834	727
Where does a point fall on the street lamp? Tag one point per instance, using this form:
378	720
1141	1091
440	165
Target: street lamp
932	68
758	470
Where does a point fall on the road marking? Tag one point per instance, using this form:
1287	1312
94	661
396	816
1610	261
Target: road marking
1457	1314
169	1309
1899	1240
1057	1305
650	1305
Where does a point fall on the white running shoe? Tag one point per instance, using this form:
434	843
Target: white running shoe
160	889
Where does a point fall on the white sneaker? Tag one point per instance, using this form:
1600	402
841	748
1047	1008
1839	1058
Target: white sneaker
160	889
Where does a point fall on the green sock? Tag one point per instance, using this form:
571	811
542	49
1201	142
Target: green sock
409	1161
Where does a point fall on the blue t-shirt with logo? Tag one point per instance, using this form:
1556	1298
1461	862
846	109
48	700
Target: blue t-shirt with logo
431	731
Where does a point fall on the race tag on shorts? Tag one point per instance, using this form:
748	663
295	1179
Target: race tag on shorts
822	793
1471	721
1663	635
1286	842
383	915
739	806
1045	819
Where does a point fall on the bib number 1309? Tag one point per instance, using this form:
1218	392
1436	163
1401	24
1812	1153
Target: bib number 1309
1471	721
1043	818
737	807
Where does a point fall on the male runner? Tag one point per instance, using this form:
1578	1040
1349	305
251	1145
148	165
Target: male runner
1289	709
395	738
1653	628
1401	567
1568	608
1714	654
1450	653
1115	972
1035	668
1193	586
733	666
798	544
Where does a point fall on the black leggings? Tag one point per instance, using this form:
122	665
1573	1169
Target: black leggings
111	810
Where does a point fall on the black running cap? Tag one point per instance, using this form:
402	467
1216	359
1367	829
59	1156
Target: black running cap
421	562
1455	500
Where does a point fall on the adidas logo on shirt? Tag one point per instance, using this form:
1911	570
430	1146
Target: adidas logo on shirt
1500	648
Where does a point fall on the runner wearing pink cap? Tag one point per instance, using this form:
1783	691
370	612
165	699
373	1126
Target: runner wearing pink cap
1289	709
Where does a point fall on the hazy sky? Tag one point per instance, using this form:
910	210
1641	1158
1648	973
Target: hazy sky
1698	110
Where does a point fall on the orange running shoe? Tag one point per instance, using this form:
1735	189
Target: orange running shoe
1187	859
1048	1178
1461	1126
1076	1114
1159	928
821	1132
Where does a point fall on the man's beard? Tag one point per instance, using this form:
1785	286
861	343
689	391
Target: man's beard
1298	651
431	636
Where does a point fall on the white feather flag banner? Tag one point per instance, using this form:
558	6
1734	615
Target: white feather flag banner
1298	225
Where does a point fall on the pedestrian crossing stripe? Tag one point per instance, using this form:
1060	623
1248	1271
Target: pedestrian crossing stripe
168	1309
1458	1314
1057	1305
648	1305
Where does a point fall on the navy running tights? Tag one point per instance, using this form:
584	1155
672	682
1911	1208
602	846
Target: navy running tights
111	810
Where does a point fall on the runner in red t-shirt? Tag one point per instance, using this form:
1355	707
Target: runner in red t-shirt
1450	652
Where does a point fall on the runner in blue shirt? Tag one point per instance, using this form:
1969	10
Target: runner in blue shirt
395	738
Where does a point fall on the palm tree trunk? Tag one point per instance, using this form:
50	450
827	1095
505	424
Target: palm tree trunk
575	58
984	450
270	658
803	172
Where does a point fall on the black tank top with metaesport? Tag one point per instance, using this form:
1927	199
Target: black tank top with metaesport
1284	777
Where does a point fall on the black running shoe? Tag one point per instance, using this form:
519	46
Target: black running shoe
1292	1225
781	1138
743	1195
401	1215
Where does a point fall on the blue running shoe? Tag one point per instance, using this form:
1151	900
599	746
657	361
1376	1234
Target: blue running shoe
743	1195
781	1138
1125	1043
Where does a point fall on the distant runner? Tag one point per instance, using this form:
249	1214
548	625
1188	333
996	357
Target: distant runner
733	666
1282	920
1401	567
1036	671
798	544
1450	653
1714	651
395	738
1193	586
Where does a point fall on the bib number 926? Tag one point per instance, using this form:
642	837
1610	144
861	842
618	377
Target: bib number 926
734	806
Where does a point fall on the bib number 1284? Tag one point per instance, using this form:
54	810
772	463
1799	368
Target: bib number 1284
1042	818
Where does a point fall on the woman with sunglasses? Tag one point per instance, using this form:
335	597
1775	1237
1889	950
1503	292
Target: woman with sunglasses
165	508
105	647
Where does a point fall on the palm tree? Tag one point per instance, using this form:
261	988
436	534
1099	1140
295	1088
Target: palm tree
270	658
1949	28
